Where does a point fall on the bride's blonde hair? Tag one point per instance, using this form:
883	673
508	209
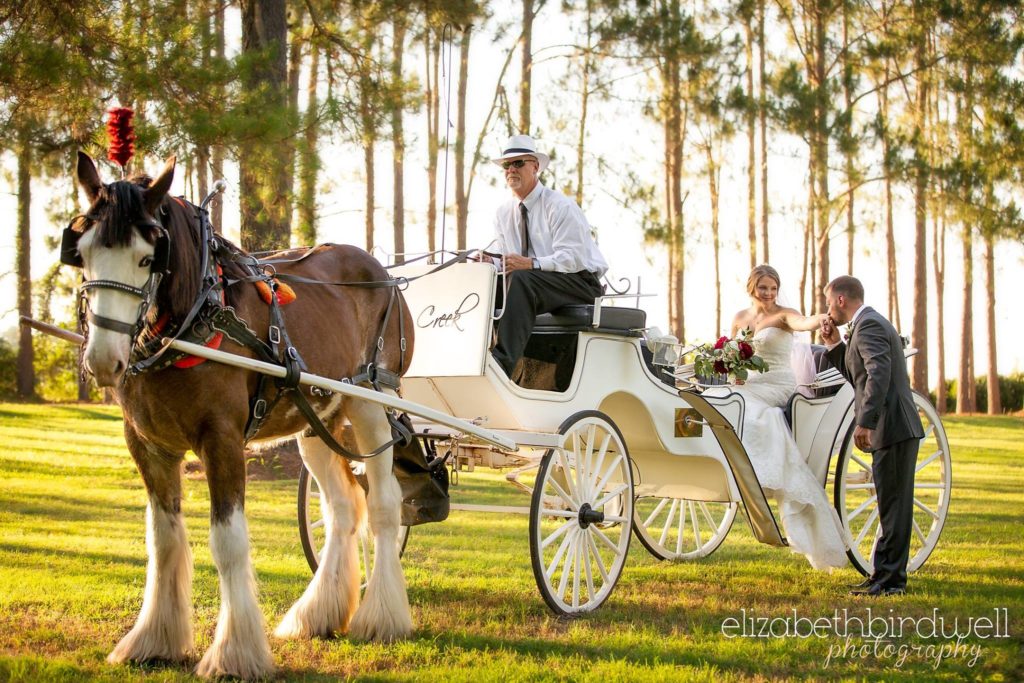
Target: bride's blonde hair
764	270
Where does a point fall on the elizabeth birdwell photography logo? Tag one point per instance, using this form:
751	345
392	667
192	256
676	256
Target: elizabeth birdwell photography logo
874	634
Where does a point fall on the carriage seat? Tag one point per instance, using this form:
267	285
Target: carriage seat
621	321
821	365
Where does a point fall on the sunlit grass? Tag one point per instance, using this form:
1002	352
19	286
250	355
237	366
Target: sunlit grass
72	569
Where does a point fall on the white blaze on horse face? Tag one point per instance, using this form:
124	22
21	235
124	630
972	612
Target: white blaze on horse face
107	352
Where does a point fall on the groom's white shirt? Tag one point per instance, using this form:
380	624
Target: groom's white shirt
853	321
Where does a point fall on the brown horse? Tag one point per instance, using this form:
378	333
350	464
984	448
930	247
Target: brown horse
205	408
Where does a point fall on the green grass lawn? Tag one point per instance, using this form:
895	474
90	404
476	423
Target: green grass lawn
73	561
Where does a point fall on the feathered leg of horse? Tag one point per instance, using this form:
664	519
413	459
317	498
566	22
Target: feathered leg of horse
384	614
240	647
163	629
332	596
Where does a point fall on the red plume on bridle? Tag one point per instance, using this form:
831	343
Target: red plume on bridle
121	134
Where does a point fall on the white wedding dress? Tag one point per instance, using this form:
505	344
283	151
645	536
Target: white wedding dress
811	524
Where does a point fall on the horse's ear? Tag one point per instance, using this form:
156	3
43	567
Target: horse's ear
155	193
88	177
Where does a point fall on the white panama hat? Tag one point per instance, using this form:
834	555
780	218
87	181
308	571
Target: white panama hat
523	145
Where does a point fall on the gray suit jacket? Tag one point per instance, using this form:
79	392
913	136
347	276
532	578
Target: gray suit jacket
874	364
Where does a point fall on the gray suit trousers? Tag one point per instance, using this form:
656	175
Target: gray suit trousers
893	469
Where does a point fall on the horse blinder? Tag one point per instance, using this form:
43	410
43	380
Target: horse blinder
69	254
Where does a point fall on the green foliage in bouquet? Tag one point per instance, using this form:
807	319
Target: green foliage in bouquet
732	357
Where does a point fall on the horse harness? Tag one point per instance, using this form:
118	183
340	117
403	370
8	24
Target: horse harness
209	316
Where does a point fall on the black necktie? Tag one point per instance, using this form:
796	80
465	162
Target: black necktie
524	230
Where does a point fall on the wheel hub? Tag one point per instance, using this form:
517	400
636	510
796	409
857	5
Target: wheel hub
589	516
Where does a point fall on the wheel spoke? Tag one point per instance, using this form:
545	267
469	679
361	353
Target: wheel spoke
588	566
584	463
927	432
696	527
597	556
929	486
567	568
707	516
565	496
681	530
614	493
920	534
564	463
601	453
658	508
558	556
578	557
929	461
864	466
608	474
318	524
867	526
668	522
924	508
616	518
860	487
604	539
862	508
557	533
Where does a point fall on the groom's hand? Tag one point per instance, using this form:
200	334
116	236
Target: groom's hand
862	438
829	332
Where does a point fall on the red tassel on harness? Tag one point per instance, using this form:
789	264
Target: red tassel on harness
121	134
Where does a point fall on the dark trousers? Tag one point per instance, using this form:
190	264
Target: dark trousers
531	293
893	470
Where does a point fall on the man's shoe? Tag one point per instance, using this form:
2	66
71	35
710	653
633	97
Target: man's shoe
865	584
876	590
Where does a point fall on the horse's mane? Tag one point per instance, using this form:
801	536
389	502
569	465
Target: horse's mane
120	206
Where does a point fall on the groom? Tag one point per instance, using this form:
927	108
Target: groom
887	423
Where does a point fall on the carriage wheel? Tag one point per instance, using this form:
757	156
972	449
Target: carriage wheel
311	529
580	515
857	504
679	529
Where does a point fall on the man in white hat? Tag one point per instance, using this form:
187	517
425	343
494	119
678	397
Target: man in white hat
550	257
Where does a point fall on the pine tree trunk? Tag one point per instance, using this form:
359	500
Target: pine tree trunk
939	262
461	198
433	55
369	163
965	381
217	156
850	175
309	157
995	405
763	116
588	58
713	188
526	78
26	374
264	162
919	334
398	144
294	72
751	143
821	157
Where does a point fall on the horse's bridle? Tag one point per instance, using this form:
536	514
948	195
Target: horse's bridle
158	267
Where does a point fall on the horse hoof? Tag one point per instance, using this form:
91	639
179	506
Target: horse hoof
220	661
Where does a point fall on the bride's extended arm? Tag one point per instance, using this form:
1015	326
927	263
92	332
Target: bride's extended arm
802	323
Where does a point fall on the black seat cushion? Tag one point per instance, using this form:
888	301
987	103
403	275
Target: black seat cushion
579	318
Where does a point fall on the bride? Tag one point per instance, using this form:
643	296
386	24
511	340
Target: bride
811	525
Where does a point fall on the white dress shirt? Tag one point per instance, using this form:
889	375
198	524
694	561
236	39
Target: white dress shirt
559	233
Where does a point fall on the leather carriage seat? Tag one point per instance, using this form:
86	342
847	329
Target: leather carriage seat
625	322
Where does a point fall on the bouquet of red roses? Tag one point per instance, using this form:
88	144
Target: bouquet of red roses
733	357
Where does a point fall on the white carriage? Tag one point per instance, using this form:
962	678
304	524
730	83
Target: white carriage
618	449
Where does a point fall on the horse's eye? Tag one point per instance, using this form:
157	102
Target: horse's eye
146	262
